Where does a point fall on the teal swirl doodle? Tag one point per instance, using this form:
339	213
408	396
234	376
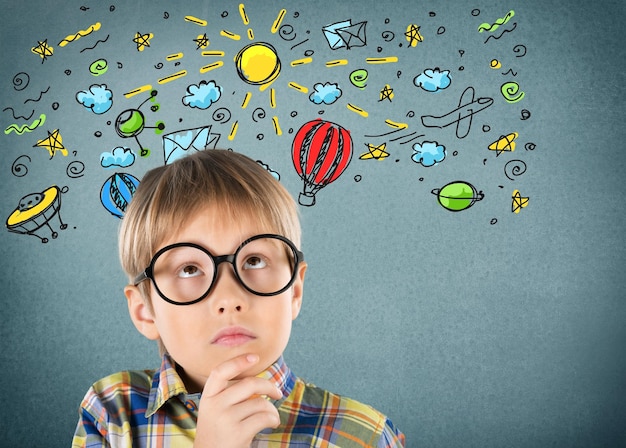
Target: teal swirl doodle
494	26
19	130
511	92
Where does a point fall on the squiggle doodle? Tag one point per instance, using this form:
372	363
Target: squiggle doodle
19	130
489	28
100	41
78	35
493	36
38	99
17	117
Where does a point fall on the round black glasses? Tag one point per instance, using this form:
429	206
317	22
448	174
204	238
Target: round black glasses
185	273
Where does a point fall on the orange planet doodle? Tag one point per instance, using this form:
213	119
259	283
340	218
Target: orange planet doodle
35	211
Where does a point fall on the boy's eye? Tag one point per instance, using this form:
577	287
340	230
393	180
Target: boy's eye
254	262
189	271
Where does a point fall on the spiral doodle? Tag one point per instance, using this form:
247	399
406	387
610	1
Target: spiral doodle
18	168
98	67
525	114
258	114
388	36
286	32
514	168
511	92
222	115
75	169
19	79
519	49
530	146
358	78
159	66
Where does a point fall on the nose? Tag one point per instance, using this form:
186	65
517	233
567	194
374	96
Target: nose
228	295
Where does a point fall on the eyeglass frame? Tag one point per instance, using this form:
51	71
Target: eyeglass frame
148	273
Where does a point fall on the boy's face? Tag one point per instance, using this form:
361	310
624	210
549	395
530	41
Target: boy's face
230	321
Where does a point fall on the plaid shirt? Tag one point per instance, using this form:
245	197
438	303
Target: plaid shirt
153	409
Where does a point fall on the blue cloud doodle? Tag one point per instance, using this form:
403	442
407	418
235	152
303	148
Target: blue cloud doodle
120	156
202	95
428	153
433	80
98	98
326	93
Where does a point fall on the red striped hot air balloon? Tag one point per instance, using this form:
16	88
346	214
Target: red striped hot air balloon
321	152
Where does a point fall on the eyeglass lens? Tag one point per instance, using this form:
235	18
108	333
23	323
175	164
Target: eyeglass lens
185	273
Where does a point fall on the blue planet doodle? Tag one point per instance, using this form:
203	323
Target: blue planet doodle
117	192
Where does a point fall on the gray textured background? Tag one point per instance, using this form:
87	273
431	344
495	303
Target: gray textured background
465	332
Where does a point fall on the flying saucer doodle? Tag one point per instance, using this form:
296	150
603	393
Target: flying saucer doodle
35	211
457	196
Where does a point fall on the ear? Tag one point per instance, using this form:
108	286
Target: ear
298	291
140	313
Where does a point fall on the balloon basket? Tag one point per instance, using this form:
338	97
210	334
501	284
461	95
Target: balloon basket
306	199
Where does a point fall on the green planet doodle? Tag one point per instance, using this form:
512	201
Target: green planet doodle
457	196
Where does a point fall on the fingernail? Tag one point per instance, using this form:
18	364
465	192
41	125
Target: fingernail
252	358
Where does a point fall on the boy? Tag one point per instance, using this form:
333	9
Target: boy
222	321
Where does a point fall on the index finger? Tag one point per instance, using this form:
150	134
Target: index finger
222	374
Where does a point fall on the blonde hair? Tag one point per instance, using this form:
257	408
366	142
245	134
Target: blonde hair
227	181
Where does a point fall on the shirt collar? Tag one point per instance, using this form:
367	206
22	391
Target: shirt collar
166	383
282	377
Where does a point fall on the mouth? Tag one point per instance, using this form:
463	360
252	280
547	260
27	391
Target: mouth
232	337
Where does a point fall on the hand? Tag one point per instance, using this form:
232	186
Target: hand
230	412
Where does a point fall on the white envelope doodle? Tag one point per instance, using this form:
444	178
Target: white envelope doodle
180	143
345	34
